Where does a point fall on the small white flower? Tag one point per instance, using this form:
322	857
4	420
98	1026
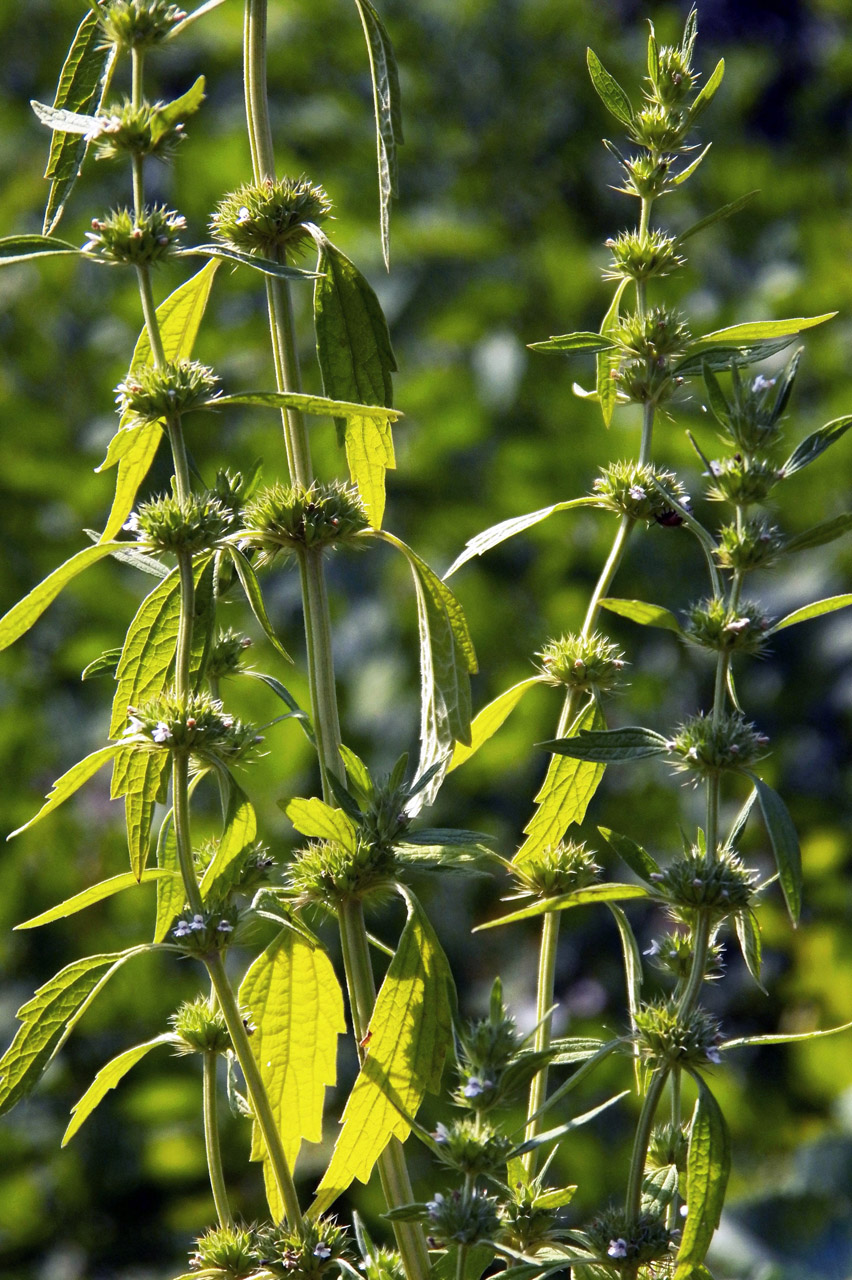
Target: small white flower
714	1056
684	1210
131	524
637	493
243	216
196	923
322	1250
161	732
442	1133
654	949
475	1087
224	927
181	929
617	1248
134	724
762	384
434	1206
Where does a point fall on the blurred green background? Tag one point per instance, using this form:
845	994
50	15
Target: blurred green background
497	242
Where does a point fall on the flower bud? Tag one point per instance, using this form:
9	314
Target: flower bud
641	256
167	524
713	625
267	216
706	746
138	24
629	489
122	238
589	663
556	869
627	1242
666	1037
201	1028
151	393
287	518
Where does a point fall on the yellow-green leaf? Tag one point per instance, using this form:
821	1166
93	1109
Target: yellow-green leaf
107	1078
579	898
240	831
369	453
95	893
319	821
489	720
707	1168
142	777
70	782
21	616
565	793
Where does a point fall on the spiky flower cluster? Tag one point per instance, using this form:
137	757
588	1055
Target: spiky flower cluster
630	489
754	544
626	1242
668	1038
137	24
327	873
653	335
742	480
270	216
306	1252
201	1029
151	393
227	655
196	523
382	1264
462	1217
707	745
196	724
639	256
530	1214
122	238
205	932
668	1145
137	129
493	1063
473	1147
713	624
700	882
556	869
286	518
589	663
751	416
674	954
228	1253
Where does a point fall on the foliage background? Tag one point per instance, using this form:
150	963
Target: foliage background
497	242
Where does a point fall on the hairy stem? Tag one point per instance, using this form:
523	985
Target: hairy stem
211	1142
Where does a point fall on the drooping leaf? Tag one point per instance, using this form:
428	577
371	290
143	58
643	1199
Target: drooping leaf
564	901
319	821
784	1037
254	595
785	845
369	453
707	1169
720	355
21	616
708	92
498	533
104	665
574	342
725	211
637	858
607	363
83	83
822	533
747	334
748	935
565	793
142	777
49	1017
27	248
486	723
227	253
108	1078
74	122
815	444
632	977
610	745
609	90
815	610
287	698
410	1033
171	894
388	113
296	1006
647	615
95	893
71	782
353	344
133	467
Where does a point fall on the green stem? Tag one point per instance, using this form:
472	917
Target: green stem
396	1183
183	839
149	311
184	638
546	974
258	1096
137	64
323	692
633	1202
700	946
211	1142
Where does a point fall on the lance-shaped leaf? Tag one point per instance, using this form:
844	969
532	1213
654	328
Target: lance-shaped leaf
498	533
486	723
647	615
48	1019
708	92
287	698
822	533
609	90
815	444
254	595
784	1037
632	977
552	1135
707	1168
171	893
785	845
689	170
579	341
564	901
610	745
239	833
142	777
21	616
637	858
179	319
319	821
83	83
180	27
410	1032
720	355
71	782
149	650
752	331
175	112
725	211
266	266
606	384
75	122
748	935
566	791
296	1006
27	248
108	1078
815	610
353	344
388	113
95	893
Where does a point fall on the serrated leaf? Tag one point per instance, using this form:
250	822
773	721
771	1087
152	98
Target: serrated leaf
142	777
74	122
574	342
49	1017
83	84
647	615
26	248
226	253
785	845
171	893
21	616
240	831
486	723
388	112
637	858
815	444
682	176
659	1188
104	665
149	651
353	344
71	782
606	384
296	1006
609	90
410	1033
498	533
563	902
254	595
565	793
707	1168
821	534
815	610
708	92
610	745
748	935
369	453
724	211
179	319
319	821
95	893
750	332
108	1078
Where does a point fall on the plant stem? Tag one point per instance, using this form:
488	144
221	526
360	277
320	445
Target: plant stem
211	1142
650	1102
320	665
184	638
607	573
546	974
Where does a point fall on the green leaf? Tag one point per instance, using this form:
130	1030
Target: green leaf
287	698
104	665
179	319
682	176
319	821
718	403
486	723
748	935
785	845
226	253
609	745
745	335
353	344
552	1135
564	901
251	587
320	406
659	1188
637	859
369	453
180	27
176	111
721	355
784	1038
498	533
815	610
70	782
708	92
388	113
171	894
142	777
707	1168
21	616
25	248
813	445
83	83
149	651
95	893
565	793
574	342
107	1078
609	90
48	1019
647	615
607	363
476	1260
410	1033
296	1006
73	122
725	211
239	833
633	979
820	534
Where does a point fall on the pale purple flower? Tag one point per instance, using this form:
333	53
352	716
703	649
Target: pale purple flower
322	1250
475	1087
161	732
617	1248
714	1056
762	384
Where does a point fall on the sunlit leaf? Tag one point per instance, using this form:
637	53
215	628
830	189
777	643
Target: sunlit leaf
708	92
821	534
748	935
239	833
71	782
319	821
27	248
609	90
142	777
388	112
21	616
95	893
795	1037
815	610
564	901
647	615
758	331
574	342
108	1078
725	211
498	533
610	745
254	595
353	344
227	253
637	859
785	845
606	383
565	793
815	444
486	723
707	1168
